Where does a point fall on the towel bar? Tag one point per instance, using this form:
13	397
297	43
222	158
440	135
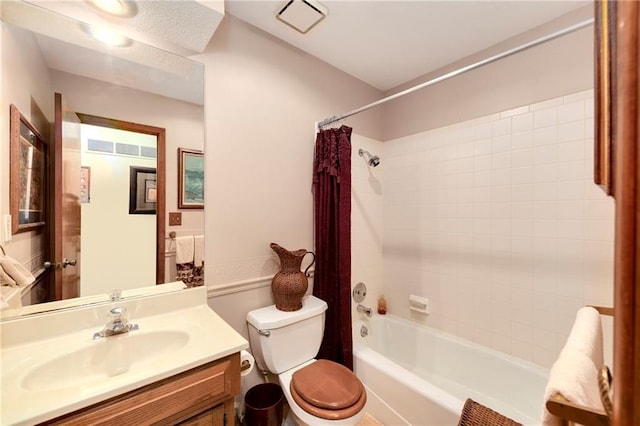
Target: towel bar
603	310
576	413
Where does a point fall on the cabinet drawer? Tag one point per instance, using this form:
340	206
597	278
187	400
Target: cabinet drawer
168	401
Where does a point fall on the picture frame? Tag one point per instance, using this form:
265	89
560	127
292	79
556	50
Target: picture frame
27	174
190	179
142	190
85	184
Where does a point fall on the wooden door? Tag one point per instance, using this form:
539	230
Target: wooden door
66	199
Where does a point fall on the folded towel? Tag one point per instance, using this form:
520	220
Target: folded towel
574	376
184	249
5	279
21	275
198	250
586	335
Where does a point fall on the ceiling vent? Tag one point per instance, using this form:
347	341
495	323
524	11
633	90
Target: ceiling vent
301	15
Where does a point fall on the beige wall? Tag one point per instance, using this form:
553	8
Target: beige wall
25	81
261	102
262	99
555	68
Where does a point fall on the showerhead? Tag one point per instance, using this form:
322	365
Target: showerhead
373	160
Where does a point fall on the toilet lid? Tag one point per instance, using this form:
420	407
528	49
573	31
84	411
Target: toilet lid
326	384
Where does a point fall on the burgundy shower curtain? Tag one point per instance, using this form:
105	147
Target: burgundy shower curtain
332	218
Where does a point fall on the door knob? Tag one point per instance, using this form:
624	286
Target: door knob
66	262
57	265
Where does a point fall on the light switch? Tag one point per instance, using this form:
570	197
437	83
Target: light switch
175	218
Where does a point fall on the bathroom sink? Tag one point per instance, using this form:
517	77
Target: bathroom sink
52	366
103	358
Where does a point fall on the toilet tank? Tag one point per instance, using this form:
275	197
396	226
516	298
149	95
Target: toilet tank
283	340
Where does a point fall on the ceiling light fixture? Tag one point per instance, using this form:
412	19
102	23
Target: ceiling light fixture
120	8
109	37
114	7
301	15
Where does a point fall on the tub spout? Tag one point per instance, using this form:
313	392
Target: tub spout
364	310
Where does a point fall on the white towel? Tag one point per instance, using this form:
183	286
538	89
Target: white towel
184	249
5	279
198	250
586	335
21	275
574	375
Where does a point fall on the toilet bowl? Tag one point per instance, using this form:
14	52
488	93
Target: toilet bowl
319	392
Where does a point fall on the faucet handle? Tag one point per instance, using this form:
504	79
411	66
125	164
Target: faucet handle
119	313
115	295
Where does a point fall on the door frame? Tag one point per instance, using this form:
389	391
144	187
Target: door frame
160	134
626	191
64	283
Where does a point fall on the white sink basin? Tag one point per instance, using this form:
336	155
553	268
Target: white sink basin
103	358
51	365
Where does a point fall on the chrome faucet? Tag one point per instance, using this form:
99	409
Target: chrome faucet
363	309
118	320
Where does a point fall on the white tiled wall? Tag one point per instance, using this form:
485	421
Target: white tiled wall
497	222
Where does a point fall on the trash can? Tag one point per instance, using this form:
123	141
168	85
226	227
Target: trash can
263	405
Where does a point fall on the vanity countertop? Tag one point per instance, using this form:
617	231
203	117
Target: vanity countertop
51	365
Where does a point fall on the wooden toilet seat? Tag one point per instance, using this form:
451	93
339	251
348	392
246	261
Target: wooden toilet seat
328	390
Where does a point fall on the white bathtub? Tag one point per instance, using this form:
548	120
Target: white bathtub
424	375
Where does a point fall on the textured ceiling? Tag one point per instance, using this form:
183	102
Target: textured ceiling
180	26
382	42
67	46
387	43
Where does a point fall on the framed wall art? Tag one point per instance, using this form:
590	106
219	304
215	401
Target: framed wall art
190	179
85	184
27	174
142	190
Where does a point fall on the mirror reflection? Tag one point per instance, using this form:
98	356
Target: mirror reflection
105	112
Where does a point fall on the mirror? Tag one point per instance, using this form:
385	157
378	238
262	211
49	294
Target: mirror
44	53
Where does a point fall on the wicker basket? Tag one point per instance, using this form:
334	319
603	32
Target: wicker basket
475	414
290	284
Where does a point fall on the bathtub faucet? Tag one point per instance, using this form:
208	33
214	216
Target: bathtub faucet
364	310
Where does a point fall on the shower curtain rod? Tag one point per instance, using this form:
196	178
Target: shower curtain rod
525	46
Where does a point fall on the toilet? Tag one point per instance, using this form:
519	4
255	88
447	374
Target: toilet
319	392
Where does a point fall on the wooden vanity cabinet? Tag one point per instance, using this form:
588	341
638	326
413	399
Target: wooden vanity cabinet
198	397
